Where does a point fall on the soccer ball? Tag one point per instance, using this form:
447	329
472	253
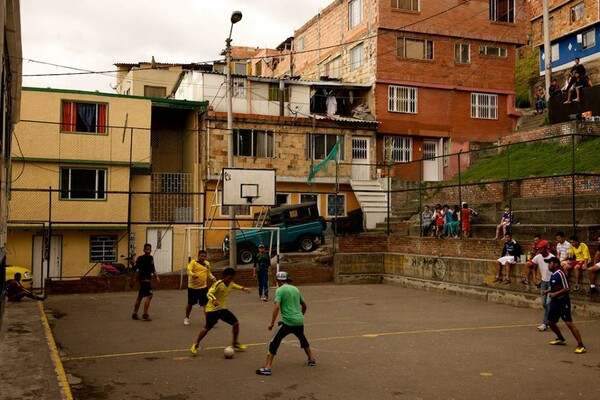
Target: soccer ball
228	352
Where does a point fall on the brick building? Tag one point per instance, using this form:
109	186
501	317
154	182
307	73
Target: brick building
441	72
574	30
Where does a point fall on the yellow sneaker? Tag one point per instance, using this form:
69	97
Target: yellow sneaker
194	349
580	350
558	342
240	347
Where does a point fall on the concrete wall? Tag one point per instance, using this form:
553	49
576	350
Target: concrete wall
463	276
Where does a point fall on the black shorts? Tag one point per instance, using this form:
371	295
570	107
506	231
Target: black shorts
145	289
197	296
559	309
282	331
224	315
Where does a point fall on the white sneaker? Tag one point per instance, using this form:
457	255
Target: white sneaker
542	327
186	321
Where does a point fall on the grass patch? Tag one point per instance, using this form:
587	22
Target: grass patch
526	160
527	73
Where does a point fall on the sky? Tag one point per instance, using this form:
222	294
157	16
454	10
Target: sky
65	36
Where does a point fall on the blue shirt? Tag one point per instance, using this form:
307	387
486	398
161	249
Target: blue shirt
558	281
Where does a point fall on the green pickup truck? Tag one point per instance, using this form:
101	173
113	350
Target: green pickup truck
300	226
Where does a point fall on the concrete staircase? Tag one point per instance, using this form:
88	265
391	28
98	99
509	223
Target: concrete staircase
373	200
531	120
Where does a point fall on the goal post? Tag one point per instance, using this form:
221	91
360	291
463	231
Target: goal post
188	247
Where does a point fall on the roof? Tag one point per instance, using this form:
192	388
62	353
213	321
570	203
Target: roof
342	119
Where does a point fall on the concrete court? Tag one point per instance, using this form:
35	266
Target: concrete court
370	341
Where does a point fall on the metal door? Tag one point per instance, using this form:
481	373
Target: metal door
161	240
431	161
360	158
39	264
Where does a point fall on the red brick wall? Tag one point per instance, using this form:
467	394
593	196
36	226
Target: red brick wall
302	275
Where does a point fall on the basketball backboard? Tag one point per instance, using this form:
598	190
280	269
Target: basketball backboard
242	186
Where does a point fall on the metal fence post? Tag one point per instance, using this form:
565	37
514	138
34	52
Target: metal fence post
573	184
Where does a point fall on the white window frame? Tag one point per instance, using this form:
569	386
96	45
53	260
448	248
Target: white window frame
406	42
255	136
398	148
588	38
239	86
493	51
403	99
333	68
320	141
303	200
508	17
97	192
343	206
354	13
406	5
459	53
577	12
484	106
103	248
356	56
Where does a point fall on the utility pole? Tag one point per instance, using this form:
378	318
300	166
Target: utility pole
547	49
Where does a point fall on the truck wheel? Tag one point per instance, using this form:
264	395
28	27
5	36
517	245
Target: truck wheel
246	255
307	243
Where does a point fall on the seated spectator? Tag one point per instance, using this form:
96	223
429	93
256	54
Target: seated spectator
530	266
505	222
567	84
439	221
15	290
580	82
448	219
511	254
426	220
562	248
554	90
593	270
454	226
579	256
466	214
540	100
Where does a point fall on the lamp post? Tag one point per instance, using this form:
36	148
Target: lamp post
236	16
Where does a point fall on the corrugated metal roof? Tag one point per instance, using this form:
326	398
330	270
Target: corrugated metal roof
340	118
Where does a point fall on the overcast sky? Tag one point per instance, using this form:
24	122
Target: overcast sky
95	34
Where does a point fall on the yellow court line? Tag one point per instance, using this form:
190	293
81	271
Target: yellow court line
364	335
62	376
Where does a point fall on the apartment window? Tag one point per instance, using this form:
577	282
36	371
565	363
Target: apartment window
589	38
414	48
402	99
354	13
282	199
253	143
484	106
239	87
336	205
258	68
555	52
309	198
83	117
240	68
275	93
300	44
319	146
462	53
398	148
502	10
446	150
155	91
333	69
356	56
82	184
407	5
577	12
103	248
493	51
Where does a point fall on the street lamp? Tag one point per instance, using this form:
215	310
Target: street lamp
236	16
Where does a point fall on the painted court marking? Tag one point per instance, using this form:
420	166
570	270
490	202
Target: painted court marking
321	339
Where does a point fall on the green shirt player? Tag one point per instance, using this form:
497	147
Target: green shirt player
290	302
